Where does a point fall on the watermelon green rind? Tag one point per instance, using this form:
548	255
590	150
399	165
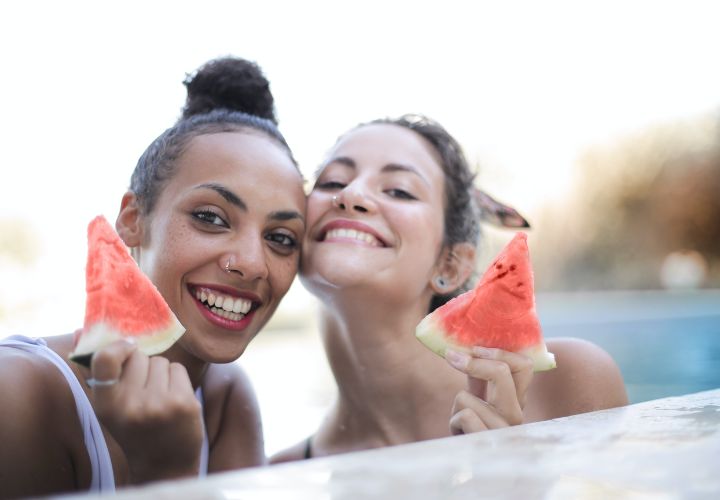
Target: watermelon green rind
122	302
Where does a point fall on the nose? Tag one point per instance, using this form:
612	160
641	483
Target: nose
354	198
247	260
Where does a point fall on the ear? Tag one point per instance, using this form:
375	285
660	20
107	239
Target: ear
455	266
129	222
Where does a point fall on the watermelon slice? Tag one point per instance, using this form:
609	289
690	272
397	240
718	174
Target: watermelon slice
121	301
498	313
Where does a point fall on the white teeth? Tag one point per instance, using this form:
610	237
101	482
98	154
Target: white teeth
223	305
227	314
353	234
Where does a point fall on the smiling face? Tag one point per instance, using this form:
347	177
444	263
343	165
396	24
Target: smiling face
236	198
384	227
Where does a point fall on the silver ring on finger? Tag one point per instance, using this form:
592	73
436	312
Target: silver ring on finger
91	382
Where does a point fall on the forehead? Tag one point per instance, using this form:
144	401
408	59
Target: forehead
386	144
247	161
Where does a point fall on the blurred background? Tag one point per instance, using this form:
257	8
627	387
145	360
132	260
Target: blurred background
598	120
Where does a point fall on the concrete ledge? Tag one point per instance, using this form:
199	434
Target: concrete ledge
666	448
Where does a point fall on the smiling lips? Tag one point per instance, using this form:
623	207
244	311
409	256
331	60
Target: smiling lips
225	306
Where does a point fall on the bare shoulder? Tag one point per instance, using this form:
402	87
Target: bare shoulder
24	379
233	419
38	425
586	379
227	378
291	454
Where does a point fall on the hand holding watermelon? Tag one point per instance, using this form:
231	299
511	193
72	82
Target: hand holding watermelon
493	335
497	385
151	411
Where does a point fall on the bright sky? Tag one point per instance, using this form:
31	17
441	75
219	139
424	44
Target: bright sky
523	85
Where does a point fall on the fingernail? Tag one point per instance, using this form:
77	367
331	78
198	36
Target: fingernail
458	359
130	340
482	352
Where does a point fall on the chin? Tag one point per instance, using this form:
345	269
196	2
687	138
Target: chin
328	283
223	356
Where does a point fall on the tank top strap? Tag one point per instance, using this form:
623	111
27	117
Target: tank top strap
205	450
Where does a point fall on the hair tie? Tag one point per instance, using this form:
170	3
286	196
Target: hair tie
496	213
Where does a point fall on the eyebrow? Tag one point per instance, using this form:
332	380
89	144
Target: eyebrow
230	197
389	167
283	215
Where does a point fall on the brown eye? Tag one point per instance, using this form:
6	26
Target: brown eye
400	193
209	217
329	185
284	240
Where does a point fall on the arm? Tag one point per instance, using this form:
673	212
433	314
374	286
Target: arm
38	425
296	452
233	419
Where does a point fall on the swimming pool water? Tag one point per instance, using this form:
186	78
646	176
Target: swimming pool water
665	345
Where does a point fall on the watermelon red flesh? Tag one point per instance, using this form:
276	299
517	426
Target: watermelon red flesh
121	301
499	313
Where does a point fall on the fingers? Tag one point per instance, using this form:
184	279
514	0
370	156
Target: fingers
466	422
158	374
521	368
107	363
179	380
472	414
500	377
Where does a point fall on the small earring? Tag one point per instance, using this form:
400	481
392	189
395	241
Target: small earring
440	282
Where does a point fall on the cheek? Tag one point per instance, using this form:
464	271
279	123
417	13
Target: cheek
167	255
315	207
283	274
424	231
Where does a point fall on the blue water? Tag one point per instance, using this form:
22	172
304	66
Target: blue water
664	345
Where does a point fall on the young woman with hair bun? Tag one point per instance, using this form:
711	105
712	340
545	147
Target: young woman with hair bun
215	208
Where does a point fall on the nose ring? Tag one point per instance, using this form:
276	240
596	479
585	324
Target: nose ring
227	265
335	201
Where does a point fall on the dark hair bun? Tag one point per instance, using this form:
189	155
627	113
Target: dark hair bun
229	83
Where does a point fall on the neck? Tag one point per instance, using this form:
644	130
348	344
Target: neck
392	389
